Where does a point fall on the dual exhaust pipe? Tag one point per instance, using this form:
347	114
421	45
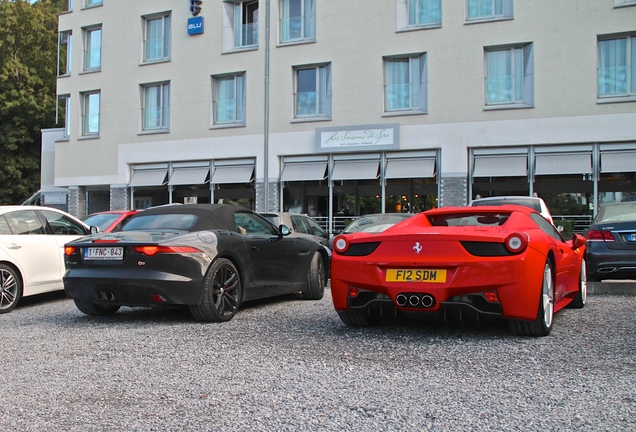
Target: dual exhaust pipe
105	295
415	300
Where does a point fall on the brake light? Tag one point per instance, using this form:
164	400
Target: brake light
517	242
154	250
341	244
69	250
600	235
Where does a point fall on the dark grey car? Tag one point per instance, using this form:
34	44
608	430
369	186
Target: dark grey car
611	243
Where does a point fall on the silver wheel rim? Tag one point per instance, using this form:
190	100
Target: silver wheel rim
8	289
547	296
583	282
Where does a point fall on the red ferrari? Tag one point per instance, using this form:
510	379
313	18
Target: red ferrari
456	262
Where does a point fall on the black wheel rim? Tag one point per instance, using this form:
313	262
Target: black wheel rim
225	291
8	289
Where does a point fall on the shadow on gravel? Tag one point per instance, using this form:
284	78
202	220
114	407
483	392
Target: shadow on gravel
39	299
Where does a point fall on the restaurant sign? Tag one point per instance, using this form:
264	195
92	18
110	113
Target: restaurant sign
358	138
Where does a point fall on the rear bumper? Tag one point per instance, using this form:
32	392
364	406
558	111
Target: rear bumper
604	263
132	288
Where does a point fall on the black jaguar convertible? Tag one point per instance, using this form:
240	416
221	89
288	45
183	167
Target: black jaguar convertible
208	257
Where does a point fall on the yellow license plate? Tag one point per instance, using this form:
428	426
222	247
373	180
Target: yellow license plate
415	275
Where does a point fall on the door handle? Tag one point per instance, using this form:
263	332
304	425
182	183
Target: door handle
255	248
14	247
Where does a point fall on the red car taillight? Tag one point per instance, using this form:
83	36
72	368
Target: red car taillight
341	244
154	250
69	250
600	235
517	242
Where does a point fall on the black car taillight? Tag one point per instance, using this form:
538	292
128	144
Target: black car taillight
154	250
600	235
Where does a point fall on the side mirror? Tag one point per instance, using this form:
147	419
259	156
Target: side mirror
560	228
284	230
577	241
94	229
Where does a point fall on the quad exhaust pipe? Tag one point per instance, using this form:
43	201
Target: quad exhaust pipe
105	295
415	300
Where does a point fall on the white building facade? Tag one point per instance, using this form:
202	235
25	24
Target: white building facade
338	108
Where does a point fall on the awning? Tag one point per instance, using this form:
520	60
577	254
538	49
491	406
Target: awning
501	166
232	174
304	171
554	164
618	161
355	170
189	176
149	177
410	168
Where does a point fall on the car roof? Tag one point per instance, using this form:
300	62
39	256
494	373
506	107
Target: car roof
209	216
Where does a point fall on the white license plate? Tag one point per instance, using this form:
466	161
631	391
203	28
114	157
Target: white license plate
104	253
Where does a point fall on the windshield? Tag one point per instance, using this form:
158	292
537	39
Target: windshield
161	221
469	219
375	223
101	221
618	212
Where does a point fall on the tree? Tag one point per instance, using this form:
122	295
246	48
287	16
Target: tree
28	61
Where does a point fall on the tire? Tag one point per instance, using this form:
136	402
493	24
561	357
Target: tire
222	292
581	297
96	309
10	288
545	315
359	318
315	279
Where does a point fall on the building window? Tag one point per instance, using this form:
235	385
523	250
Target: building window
63	113
298	20
405	84
313	91
92	3
90	114
425	13
68	6
621	3
480	10
92	49
64	52
157	38
228	99
510	76
155	107
617	67
246	24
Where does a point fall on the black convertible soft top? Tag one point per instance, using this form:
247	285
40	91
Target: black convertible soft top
209	216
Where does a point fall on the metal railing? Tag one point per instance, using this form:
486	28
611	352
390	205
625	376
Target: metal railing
573	223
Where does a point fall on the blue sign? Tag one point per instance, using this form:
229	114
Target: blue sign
195	25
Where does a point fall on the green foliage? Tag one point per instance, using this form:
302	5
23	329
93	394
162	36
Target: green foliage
28	57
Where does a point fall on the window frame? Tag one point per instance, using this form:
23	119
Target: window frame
411	21
163	107
630	69
239	99
67	113
87	113
88	49
166	38
69	52
526	83
239	25
307	22
93	3
624	3
507	11
415	107
327	92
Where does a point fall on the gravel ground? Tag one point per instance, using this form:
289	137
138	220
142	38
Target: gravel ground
288	365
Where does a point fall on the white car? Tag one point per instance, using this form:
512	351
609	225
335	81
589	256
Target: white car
526	201
32	240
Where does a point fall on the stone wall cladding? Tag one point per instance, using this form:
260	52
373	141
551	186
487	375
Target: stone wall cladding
454	191
119	198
